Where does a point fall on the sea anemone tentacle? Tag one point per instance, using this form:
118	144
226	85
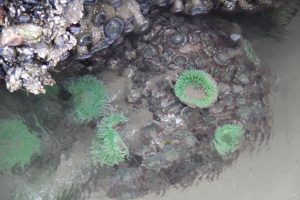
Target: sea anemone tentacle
198	82
108	147
89	97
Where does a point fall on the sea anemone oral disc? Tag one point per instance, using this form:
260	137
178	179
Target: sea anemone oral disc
227	138
196	88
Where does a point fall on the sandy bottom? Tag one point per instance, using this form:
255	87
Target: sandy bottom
273	172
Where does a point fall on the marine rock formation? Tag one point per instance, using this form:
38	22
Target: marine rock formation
36	35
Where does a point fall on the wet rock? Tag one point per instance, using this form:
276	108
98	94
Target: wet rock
154	161
200	7
216	108
157	94
40	44
30	33
224	55
238	89
9	53
223	89
134	96
250	53
170	153
241	77
174	145
124	180
244	111
108	21
24	18
171	105
129	71
10	38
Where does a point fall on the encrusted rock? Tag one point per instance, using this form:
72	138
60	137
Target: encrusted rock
44	40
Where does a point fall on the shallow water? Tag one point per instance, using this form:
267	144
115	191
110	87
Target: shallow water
273	171
269	172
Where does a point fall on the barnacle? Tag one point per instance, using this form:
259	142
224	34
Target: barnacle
108	147
177	39
196	88
17	144
89	97
227	138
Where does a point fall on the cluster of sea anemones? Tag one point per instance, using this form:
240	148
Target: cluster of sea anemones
89	99
198	89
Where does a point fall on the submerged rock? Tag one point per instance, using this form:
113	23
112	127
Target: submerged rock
174	144
176	147
200	7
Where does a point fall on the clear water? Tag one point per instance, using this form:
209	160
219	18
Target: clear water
270	173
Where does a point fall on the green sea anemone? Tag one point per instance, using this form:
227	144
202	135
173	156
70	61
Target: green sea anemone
227	138
108	147
17	144
196	88
89	97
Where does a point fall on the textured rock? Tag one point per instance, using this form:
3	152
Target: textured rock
32	46
177	145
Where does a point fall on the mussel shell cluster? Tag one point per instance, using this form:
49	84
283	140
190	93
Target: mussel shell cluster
105	23
34	38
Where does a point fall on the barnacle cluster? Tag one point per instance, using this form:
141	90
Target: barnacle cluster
89	97
34	38
227	138
196	88
108	147
17	144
